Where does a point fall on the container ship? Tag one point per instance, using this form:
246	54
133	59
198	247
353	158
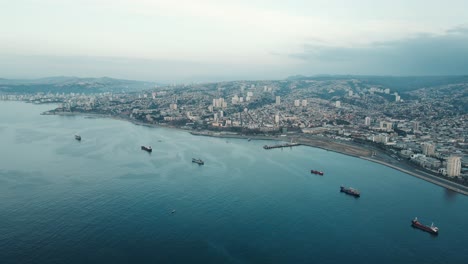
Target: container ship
431	229
350	191
147	148
78	137
198	161
317	172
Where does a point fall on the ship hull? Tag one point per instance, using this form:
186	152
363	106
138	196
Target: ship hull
351	192
423	228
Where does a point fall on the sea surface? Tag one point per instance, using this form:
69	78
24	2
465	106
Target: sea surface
104	200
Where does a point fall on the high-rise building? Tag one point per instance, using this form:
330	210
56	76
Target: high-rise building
235	99
277	118
350	93
415	126
397	98
338	104
278	100
304	103
297	102
367	121
428	149
453	166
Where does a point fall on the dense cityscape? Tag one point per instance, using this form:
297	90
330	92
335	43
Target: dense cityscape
424	127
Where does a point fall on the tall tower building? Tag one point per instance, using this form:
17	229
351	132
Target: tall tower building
277	118
428	149
278	100
415	126
338	104
367	121
453	166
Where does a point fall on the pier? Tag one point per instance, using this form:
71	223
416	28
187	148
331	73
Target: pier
281	145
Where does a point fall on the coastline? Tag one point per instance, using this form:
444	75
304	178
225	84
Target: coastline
362	152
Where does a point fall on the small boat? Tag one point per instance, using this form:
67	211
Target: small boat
78	137
173	211
147	148
198	161
350	191
317	172
249	139
430	229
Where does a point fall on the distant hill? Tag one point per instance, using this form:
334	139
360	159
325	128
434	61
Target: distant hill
65	84
399	83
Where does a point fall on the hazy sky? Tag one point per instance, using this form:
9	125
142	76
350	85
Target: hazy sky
182	40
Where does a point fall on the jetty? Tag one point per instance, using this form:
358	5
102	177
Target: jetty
285	145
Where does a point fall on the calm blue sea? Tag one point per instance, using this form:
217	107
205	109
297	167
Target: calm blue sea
103	200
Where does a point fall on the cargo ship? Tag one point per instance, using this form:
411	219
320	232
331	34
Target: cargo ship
147	148
350	191
198	161
431	229
78	137
317	172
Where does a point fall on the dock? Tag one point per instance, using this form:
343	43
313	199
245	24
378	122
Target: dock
285	145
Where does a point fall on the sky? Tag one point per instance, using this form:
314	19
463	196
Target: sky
214	40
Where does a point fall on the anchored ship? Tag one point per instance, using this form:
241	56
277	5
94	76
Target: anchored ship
147	148
431	229
78	137
198	161
350	191
317	172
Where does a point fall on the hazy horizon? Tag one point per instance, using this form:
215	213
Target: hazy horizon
183	41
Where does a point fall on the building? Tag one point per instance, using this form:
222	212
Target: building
428	149
235	99
338	104
415	126
367	121
397	98
453	166
278	100
385	125
304	103
297	103
277	118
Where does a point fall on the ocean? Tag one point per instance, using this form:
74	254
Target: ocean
104	200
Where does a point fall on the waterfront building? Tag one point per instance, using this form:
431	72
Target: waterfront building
397	98
428	149
453	166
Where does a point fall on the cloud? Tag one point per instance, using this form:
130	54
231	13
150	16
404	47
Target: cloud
421	54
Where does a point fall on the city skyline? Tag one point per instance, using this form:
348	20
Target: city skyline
218	40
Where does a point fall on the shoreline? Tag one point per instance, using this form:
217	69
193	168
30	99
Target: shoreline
352	150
